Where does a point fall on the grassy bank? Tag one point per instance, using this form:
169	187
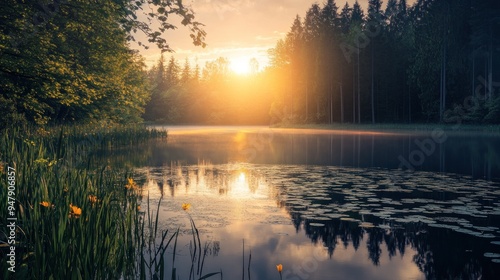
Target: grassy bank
63	216
71	222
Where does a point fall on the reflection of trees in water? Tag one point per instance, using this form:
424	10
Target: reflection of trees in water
440	253
474	155
219	180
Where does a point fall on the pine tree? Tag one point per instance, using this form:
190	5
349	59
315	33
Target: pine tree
374	24
312	36
186	72
172	73
158	80
357	18
331	34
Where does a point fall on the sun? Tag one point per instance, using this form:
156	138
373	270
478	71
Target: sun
240	66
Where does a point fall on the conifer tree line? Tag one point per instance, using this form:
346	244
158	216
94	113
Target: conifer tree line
185	94
64	61
433	61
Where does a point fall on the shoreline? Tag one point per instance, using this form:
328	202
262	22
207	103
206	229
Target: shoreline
463	128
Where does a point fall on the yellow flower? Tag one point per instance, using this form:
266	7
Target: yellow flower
74	211
186	206
279	267
93	199
131	184
45	204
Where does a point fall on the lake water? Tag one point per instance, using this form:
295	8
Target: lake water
328	204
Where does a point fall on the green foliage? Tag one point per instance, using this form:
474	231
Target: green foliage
68	61
475	111
493	107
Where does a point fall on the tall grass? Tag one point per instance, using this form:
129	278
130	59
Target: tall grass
74	220
52	242
154	262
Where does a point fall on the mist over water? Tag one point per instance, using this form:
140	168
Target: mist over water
330	204
473	154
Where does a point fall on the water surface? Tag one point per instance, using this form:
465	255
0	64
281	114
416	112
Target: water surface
330	205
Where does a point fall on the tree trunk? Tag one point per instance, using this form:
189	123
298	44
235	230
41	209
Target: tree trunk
442	92
291	94
409	103
330	121
490	65
473	74
359	99
444	82
373	92
341	105
307	105
353	93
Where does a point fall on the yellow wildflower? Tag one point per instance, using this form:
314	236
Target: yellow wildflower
131	184
93	199
74	211
279	267
45	204
186	206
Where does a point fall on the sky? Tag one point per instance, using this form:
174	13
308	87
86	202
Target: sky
238	30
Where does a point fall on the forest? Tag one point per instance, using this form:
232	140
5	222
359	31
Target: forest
435	61
67	61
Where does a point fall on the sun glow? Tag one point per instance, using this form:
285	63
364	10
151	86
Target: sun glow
244	65
240	66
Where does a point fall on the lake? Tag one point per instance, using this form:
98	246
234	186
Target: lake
328	204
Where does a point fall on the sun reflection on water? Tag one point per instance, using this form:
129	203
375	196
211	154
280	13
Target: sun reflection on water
235	182
347	214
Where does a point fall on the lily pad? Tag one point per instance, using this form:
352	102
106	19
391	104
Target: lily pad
366	225
317	224
492	255
349	219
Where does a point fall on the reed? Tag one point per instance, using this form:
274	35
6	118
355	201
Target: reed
74	220
154	245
